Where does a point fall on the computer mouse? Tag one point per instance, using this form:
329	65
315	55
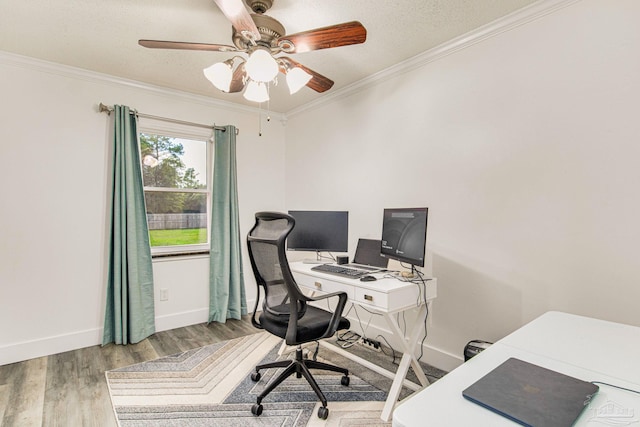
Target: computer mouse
368	279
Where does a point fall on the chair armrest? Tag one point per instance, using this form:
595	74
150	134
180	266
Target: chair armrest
339	294
254	319
337	313
335	318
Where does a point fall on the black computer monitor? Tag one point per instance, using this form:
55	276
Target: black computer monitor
319	231
404	235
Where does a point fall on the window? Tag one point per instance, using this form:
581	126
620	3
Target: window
177	190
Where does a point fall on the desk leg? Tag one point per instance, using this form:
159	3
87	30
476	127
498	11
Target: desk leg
408	359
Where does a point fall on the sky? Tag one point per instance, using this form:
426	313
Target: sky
195	156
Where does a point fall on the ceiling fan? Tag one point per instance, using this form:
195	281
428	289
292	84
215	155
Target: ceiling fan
263	39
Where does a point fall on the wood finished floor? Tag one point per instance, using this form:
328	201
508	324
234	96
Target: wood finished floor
69	389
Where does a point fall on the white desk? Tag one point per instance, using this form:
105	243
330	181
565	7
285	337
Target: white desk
585	348
386	296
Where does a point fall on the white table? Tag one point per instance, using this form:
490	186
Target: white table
386	296
585	348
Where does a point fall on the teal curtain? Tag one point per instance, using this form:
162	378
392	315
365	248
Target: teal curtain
227	298
129	314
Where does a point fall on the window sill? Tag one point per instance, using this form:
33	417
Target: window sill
179	255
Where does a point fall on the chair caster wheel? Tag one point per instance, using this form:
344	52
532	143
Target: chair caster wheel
255	377
256	409
323	412
344	381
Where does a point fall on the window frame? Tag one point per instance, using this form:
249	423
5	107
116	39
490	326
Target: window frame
176	130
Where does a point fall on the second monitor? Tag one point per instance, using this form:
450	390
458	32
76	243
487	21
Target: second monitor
319	231
404	234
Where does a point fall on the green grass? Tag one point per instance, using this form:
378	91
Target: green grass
187	236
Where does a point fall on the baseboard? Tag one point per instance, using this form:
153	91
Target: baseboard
441	359
433	356
186	318
47	346
179	320
25	350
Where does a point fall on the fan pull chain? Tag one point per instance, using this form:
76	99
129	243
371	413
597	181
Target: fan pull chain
260	111
260	119
269	102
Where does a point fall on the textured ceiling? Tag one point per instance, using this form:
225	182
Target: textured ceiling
102	36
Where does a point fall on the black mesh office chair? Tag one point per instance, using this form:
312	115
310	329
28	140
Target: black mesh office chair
285	309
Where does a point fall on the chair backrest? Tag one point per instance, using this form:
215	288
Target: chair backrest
267	252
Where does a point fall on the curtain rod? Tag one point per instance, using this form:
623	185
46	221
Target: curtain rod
106	109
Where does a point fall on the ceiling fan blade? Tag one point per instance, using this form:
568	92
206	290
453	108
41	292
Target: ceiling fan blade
161	44
237	80
239	16
338	35
318	82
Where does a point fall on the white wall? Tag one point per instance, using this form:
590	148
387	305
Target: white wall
54	150
524	147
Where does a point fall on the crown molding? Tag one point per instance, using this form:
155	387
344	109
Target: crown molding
15	60
499	26
513	20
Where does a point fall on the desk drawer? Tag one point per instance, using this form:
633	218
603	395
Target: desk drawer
392	300
373	298
323	286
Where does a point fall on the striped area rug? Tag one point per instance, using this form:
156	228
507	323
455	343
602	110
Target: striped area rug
211	386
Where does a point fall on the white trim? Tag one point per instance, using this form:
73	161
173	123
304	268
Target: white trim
27	62
520	17
433	356
187	132
179	320
47	346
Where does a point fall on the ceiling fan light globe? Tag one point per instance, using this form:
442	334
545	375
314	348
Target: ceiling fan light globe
296	79
261	66
219	74
256	92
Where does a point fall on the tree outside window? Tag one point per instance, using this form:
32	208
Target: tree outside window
177	192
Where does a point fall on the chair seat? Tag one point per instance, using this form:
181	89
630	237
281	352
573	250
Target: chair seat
311	326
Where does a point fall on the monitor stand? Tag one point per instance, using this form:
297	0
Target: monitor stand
411	275
317	260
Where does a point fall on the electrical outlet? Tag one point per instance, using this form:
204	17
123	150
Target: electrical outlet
164	294
371	344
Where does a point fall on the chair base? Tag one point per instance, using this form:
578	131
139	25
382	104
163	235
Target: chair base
300	367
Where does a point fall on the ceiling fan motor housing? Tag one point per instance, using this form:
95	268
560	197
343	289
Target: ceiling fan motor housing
269	28
260	6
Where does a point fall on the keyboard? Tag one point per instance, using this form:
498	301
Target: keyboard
339	270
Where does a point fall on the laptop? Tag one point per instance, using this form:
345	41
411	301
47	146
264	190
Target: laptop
531	395
368	256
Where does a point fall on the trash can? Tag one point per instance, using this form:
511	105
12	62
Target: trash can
475	347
